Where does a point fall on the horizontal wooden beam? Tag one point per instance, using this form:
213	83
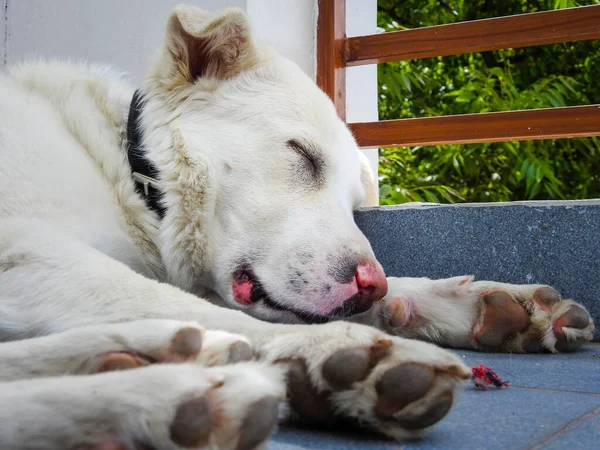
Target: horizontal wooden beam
523	30
548	123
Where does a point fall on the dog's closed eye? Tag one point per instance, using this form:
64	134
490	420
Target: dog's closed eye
314	161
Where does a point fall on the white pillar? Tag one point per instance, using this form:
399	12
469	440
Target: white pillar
289	26
361	81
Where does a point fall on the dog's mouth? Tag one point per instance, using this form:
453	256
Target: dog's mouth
248	290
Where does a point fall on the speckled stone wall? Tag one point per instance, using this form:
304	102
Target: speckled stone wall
556	243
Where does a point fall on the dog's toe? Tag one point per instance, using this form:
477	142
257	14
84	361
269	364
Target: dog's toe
240	351
347	366
260	420
191	425
400	386
113	361
186	343
435	412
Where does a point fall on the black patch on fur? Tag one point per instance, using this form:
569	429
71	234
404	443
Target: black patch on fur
297	281
136	154
259	294
342	268
349	308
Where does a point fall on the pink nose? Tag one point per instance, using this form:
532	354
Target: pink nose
372	285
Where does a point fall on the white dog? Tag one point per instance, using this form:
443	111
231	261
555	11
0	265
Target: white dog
226	176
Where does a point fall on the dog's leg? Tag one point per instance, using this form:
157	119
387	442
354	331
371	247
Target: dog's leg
170	406
483	315
108	347
336	371
51	282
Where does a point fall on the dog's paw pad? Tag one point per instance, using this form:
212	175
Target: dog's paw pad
530	319
400	386
575	317
186	343
221	348
348	366
191	425
260	420
240	351
502	318
114	361
435	412
345	367
572	329
546	297
310	405
246	405
398	311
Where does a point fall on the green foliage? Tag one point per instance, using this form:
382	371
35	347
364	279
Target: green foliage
534	77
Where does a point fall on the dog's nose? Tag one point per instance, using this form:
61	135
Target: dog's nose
372	285
371	281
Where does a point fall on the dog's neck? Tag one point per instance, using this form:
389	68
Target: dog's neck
182	242
143	172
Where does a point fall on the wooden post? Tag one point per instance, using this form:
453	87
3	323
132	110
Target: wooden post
331	60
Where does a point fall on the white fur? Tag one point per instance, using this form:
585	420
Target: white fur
80	251
447	311
133	407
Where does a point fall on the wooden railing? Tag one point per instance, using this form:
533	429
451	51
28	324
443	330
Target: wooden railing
335	52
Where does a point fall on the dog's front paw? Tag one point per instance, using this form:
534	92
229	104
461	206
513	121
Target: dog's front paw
485	315
340	371
123	346
530	319
169	406
140	343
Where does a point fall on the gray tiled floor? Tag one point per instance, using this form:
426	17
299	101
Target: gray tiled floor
553	403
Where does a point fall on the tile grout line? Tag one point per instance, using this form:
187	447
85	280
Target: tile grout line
555	390
5	49
567	428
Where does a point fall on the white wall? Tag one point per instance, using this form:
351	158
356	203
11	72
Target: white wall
122	33
289	26
3	19
361	81
127	33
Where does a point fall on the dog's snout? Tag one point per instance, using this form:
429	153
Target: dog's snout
353	282
372	286
344	270
363	283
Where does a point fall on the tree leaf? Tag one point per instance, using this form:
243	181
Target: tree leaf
384	190
430	196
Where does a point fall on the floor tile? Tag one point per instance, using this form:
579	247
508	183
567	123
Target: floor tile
585	434
548	392
503	419
569	371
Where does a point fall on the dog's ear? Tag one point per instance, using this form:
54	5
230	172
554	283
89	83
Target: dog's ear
203	44
368	182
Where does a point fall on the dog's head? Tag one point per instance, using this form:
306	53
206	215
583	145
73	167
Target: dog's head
260	177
